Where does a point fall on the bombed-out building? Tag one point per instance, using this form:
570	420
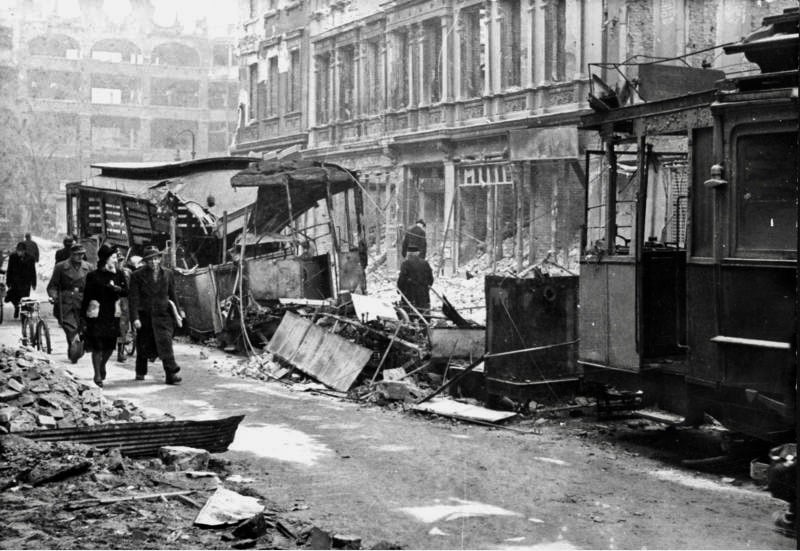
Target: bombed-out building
464	112
116	87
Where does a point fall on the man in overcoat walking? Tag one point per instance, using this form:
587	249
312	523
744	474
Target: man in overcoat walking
152	287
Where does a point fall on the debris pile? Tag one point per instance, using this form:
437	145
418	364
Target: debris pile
67	495
36	395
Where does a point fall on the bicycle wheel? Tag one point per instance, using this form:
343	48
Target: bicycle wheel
30	333
43	337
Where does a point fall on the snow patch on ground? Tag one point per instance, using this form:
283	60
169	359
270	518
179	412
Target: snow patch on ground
393	448
269	390
279	442
551	460
700	483
454	508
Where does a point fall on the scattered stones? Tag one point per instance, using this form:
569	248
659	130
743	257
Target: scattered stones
37	395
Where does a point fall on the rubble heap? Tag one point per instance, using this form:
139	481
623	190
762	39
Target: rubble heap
36	395
63	495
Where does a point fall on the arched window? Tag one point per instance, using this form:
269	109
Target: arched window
116	50
175	54
55	45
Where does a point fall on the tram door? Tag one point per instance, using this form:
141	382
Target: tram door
633	286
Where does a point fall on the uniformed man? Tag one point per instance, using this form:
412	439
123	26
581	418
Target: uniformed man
415	280
152	288
66	291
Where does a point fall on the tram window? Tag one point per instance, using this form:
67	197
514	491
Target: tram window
766	214
625	202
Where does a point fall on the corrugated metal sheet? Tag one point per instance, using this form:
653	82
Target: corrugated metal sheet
328	358
144	439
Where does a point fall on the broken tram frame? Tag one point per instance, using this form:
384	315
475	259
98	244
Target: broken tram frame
689	268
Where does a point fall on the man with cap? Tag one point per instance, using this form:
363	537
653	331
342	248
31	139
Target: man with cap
415	279
152	288
415	236
65	252
66	291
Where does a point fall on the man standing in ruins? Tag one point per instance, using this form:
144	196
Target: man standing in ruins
415	280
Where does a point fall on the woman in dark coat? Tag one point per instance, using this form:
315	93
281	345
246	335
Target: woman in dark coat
99	311
20	276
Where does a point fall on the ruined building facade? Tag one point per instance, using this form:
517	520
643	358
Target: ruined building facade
123	89
460	112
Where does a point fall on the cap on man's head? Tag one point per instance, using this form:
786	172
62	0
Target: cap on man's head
68	241
21	246
151	252
421	222
77	248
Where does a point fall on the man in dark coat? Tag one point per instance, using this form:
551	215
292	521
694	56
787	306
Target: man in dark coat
152	288
63	254
20	276
415	236
66	291
32	248
415	279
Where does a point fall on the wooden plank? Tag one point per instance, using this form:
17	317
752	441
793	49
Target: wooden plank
459	410
328	358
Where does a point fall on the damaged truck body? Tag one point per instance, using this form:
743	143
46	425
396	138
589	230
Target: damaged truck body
689	272
240	232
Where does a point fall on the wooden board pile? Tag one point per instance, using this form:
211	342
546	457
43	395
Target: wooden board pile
36	395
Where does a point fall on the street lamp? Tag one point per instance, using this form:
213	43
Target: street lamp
178	150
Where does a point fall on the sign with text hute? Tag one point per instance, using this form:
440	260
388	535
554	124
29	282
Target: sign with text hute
531	144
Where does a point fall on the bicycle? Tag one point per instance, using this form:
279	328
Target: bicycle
35	332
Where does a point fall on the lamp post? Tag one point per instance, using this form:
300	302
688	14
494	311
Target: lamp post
178	151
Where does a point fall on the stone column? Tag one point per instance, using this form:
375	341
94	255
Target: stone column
458	28
447	74
449	214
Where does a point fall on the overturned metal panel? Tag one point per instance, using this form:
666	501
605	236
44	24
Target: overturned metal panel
328	358
465	412
197	293
457	342
530	313
272	278
145	439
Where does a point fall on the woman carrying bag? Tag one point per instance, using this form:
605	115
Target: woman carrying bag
100	310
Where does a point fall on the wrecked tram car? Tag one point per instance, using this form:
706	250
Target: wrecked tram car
689	271
287	229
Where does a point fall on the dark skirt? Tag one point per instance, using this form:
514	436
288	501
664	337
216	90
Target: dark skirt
98	344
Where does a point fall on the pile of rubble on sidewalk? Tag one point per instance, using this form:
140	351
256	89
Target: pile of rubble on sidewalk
67	495
36	395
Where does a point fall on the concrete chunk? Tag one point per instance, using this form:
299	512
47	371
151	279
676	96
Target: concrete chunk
184	458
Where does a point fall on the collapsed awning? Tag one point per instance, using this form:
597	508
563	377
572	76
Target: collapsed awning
287	189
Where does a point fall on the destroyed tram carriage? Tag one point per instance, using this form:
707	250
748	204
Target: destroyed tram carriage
699	312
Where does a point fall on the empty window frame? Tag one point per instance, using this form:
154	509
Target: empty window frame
401	83
323	86
432	59
253	91
373	81
473	51
295	81
175	93
510	42
347	82
554	40
273	87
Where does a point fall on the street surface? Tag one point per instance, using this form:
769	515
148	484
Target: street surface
398	478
